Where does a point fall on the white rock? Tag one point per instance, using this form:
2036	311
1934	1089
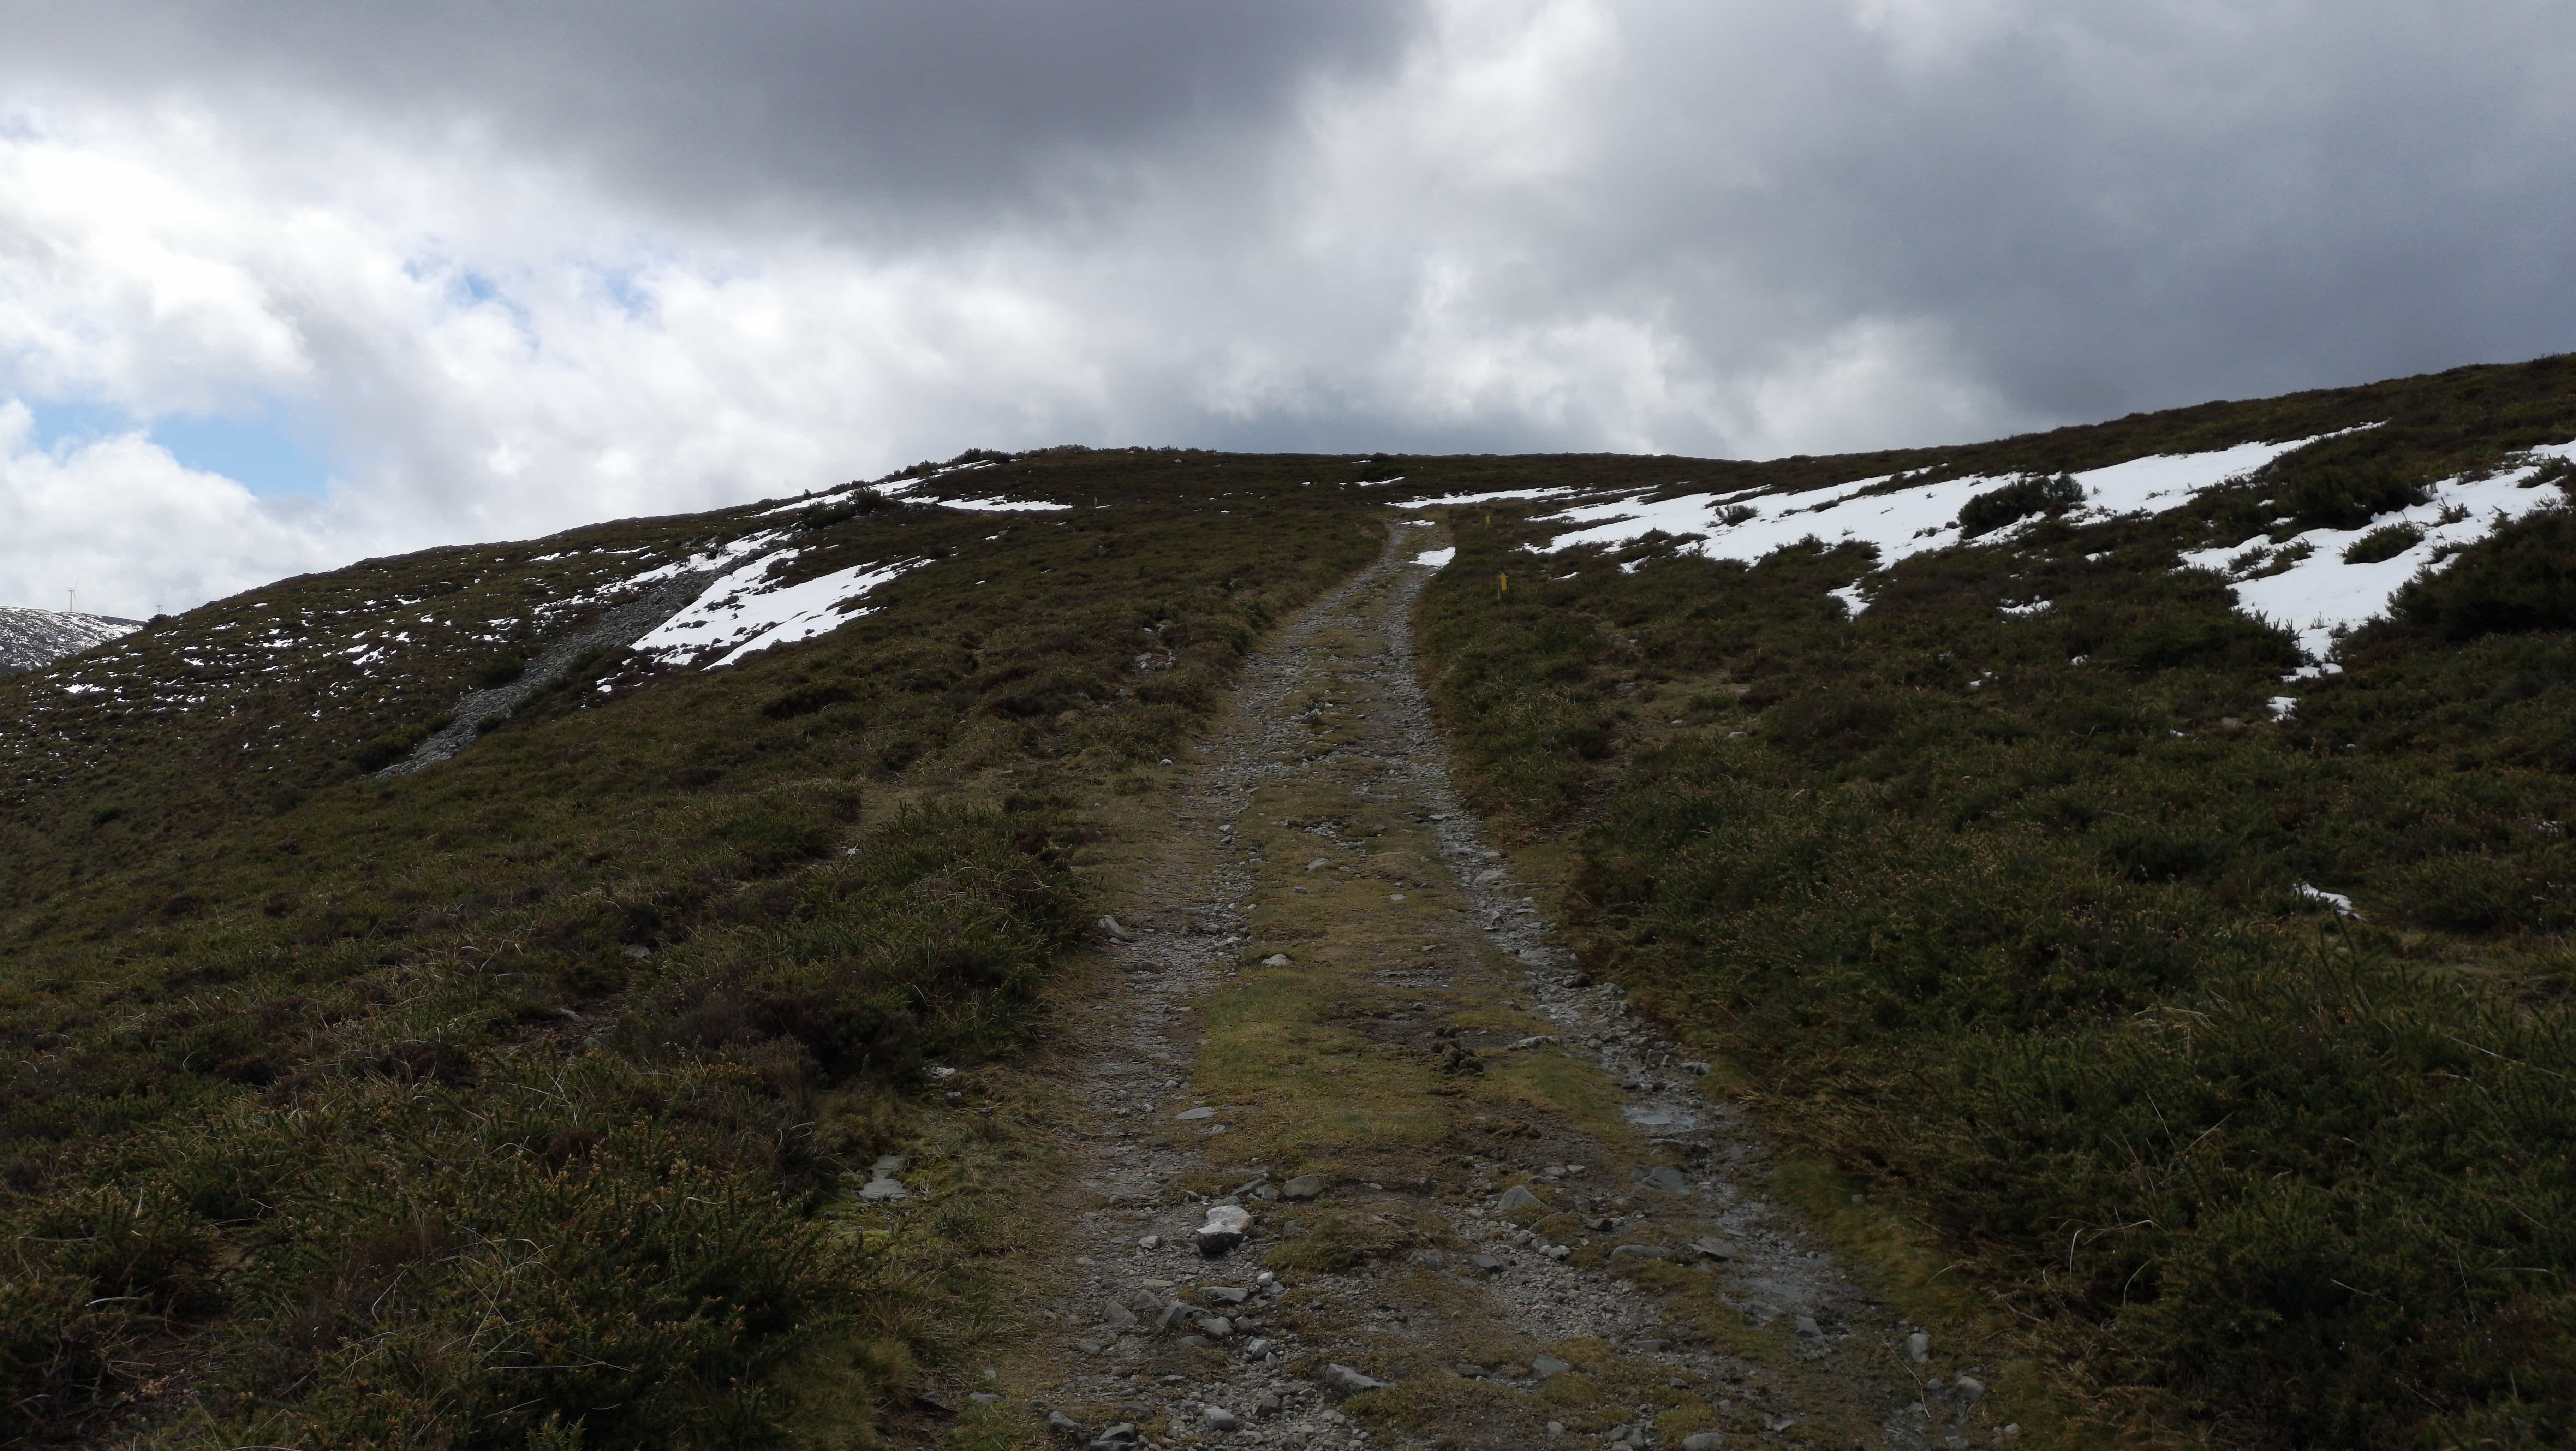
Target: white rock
1226	1225
1343	1378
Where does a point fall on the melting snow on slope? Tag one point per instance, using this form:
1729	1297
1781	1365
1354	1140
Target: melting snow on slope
996	506
1435	558
1901	523
909	491
1452	501
2341	904
2321	596
716	558
742	612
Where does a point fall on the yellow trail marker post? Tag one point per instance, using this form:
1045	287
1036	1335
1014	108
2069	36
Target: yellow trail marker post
1502	584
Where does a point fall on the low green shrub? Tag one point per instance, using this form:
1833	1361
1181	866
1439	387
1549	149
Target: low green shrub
2385	542
2016	501
2522	578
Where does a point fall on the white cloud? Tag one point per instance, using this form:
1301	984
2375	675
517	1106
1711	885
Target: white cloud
701	264
136	534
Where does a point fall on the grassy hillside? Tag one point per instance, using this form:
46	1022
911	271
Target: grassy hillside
524	1091
523	1100
2017	913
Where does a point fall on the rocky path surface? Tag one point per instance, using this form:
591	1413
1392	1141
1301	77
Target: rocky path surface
1366	1164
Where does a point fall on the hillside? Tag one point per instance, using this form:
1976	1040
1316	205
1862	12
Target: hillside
472	998
29	638
2158	902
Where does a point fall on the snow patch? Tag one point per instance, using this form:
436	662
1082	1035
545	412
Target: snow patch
716	558
1435	558
2342	904
995	506
743	612
1899	523
1452	501
2322	596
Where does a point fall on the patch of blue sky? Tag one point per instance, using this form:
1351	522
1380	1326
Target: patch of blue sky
622	287
264	452
469	290
465	289
64	426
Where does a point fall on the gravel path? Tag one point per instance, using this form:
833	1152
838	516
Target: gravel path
1472	1178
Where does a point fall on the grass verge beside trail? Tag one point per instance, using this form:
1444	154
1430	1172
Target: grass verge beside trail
2034	951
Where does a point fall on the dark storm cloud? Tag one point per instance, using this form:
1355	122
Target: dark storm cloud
1688	225
2107	207
919	102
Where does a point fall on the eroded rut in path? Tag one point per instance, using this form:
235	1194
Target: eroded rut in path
1485	1207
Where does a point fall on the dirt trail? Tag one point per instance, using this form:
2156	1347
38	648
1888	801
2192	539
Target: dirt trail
1466	1176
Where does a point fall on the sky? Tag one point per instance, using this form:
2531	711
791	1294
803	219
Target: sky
285	286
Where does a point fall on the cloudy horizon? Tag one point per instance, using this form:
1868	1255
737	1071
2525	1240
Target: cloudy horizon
281	287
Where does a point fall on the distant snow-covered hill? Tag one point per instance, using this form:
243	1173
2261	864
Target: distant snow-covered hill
33	638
